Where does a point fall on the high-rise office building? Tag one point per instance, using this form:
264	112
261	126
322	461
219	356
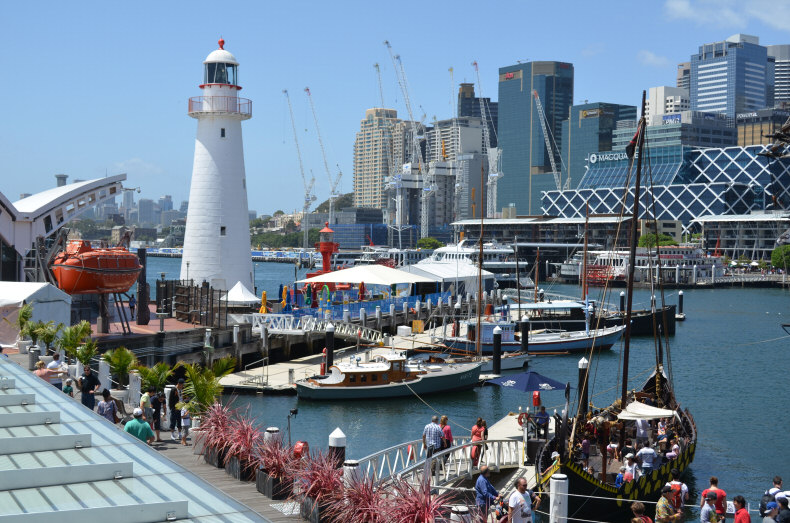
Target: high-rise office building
756	127
469	105
589	130
145	212
525	162
684	76
373	154
731	77
166	203
665	100
781	56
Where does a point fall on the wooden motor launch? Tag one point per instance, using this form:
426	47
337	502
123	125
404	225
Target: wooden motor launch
82	269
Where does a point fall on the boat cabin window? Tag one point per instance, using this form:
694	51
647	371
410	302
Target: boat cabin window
352	379
384	377
374	377
363	378
219	73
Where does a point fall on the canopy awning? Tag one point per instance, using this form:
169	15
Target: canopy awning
638	410
241	295
370	275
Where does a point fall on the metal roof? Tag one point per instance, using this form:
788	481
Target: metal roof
38	202
61	462
756	217
555	220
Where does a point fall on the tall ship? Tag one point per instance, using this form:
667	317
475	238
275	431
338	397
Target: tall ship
592	494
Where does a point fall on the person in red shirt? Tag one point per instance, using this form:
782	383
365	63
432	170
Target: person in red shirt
638	508
721	497
741	514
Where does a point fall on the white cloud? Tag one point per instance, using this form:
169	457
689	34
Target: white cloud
730	13
651	59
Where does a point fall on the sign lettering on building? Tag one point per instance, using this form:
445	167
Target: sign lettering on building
670	119
513	75
607	157
743	116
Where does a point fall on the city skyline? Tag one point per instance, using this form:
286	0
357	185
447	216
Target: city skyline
126	86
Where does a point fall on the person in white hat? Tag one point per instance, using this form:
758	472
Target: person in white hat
139	428
631	467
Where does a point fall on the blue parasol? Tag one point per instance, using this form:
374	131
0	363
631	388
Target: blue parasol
527	382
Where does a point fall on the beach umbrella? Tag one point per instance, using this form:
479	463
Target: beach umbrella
308	295
286	299
362	291
527	382
263	309
280	293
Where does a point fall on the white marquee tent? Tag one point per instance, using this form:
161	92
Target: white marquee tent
49	303
369	275
240	295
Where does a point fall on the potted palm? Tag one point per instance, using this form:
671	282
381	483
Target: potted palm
86	352
32	329
276	467
319	479
157	376
23	318
245	438
47	332
121	361
72	337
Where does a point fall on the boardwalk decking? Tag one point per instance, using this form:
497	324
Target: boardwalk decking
244	492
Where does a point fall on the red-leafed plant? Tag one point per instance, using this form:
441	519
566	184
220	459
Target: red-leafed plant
361	501
245	438
215	427
320	477
276	459
416	504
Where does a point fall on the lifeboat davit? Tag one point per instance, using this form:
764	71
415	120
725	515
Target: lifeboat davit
81	269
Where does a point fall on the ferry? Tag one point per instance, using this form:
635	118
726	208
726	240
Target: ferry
498	259
612	266
391	257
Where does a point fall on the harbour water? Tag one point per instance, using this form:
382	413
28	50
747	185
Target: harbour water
730	367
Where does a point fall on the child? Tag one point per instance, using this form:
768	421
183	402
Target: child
185	423
68	389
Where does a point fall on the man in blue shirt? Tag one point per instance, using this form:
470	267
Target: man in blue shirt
620	478
542	421
485	493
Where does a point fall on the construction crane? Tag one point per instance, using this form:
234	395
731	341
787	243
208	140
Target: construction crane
492	153
381	88
333	181
416	155
309	197
549	148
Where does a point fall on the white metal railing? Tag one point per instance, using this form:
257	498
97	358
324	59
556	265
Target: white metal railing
259	380
455	463
388	463
287	323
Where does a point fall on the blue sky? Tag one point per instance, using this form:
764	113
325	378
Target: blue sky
101	88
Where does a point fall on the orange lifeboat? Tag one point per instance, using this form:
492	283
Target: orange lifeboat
81	269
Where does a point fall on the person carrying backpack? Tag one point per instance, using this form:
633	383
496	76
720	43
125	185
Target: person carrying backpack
770	495
680	492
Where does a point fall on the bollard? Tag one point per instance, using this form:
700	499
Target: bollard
32	357
337	447
393	319
677	273
460	514
135	388
351	472
363	317
583	381
653	302
291	380
405	312
525	336
378	317
558	510
330	346
346	316
271	434
680	302
622	301
694	275
417	309
497	358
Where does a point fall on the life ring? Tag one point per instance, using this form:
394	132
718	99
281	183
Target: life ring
522	418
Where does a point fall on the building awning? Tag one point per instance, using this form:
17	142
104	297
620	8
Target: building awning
369	275
638	410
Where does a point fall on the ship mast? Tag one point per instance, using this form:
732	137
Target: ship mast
479	334
632	255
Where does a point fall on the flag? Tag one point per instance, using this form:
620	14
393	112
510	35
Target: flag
631	147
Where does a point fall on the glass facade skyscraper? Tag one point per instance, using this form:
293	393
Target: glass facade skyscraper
589	130
525	164
469	105
731	77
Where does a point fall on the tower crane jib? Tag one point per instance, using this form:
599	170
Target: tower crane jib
309	197
333	182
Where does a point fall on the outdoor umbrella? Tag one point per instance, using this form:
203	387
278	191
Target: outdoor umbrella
527	382
361	291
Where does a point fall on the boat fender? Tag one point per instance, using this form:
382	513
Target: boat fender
522	418
410	453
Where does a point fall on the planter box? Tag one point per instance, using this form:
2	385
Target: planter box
238	469
311	511
271	487
198	443
214	457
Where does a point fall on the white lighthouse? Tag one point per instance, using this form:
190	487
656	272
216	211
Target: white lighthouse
217	237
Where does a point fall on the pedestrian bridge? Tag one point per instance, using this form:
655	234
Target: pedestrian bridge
290	324
408	461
